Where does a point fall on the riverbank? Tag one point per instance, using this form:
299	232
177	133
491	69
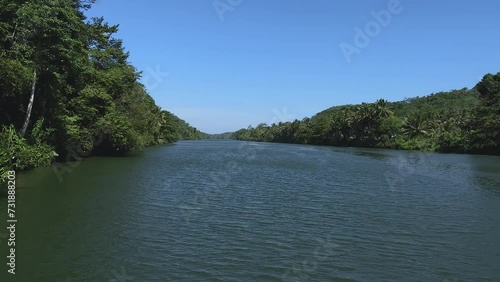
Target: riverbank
457	121
19	154
72	90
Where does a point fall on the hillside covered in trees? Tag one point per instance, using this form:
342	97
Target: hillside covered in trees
462	121
66	84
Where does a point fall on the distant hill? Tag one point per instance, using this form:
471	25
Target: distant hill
464	120
225	135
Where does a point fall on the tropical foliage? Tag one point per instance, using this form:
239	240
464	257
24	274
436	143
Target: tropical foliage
465	120
66	82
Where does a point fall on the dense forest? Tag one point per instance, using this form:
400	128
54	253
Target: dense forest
462	121
66	82
225	135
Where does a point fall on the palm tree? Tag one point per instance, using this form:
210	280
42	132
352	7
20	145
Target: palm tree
382	109
415	125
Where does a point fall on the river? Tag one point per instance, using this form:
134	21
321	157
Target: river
242	211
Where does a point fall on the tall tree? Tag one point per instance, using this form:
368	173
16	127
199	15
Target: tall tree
486	125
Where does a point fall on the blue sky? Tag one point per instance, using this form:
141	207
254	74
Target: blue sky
225	64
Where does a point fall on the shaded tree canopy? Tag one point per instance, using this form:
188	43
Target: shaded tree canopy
65	82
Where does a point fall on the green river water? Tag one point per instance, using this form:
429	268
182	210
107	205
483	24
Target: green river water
243	211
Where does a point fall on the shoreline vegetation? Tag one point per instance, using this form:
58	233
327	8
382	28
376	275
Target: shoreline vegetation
66	84
458	121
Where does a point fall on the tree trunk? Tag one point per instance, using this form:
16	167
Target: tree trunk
30	106
14	35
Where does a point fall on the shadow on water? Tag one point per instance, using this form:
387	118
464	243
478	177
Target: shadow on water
372	155
50	173
487	173
132	154
376	154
